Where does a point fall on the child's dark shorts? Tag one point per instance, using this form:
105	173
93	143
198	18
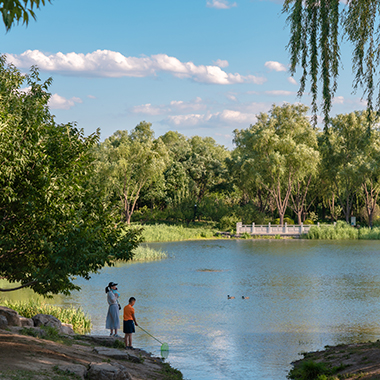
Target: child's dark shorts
128	327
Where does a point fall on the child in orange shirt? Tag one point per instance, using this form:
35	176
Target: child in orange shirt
129	323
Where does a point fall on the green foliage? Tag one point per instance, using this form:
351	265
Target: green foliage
228	223
279	151
162	232
308	222
286	220
118	344
54	224
19	10
245	235
170	373
342	230
314	45
71	315
310	370
128	162
144	253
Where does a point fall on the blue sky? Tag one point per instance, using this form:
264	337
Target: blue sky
200	67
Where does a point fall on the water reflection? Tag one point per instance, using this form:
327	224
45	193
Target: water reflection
303	295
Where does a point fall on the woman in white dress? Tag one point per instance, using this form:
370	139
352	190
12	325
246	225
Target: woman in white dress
112	321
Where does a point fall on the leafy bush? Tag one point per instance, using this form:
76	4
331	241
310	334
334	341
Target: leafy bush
228	223
74	316
308	221
309	370
286	220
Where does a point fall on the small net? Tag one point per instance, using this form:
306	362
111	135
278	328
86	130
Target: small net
164	350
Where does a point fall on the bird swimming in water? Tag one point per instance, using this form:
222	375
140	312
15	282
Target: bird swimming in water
245	298
230	298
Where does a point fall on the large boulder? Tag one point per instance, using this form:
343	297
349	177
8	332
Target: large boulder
46	320
108	371
78	370
13	318
3	322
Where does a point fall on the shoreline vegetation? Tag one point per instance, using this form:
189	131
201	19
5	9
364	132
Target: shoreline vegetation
344	361
74	316
161	232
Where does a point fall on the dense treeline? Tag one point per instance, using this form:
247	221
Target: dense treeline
282	168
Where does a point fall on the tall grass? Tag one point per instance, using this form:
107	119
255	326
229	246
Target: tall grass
144	253
163	232
343	231
75	316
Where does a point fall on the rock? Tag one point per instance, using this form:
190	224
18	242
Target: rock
108	371
113	353
46	320
26	322
3	322
13	318
134	359
77	369
67	329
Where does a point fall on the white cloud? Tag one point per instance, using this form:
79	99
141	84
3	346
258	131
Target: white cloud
175	106
292	81
106	63
231	96
221	63
279	93
91	96
242	116
59	102
338	100
276	66
220	4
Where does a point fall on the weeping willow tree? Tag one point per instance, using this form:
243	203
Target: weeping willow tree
316	28
19	10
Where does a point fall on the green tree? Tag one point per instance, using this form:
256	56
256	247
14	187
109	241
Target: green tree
279	151
53	224
19	10
128	162
347	156
316	29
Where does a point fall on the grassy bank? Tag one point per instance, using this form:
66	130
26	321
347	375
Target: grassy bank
144	253
342	231
163	232
74	316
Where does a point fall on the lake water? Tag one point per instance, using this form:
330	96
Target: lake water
303	295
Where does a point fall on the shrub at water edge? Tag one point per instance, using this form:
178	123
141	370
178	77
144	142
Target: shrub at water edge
343	231
163	232
71	315
144	253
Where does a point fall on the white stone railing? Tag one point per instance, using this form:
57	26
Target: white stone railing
269	229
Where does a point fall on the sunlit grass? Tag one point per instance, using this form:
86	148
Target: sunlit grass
343	231
144	253
71	315
163	232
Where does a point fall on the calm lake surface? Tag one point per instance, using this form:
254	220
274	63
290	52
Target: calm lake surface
303	295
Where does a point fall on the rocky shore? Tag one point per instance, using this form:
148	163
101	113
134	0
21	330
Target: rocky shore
345	361
44	348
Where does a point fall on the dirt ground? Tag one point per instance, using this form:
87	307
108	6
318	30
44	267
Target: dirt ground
26	357
358	361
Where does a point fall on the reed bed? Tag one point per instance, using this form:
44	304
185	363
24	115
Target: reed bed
144	253
343	231
163	232
75	316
